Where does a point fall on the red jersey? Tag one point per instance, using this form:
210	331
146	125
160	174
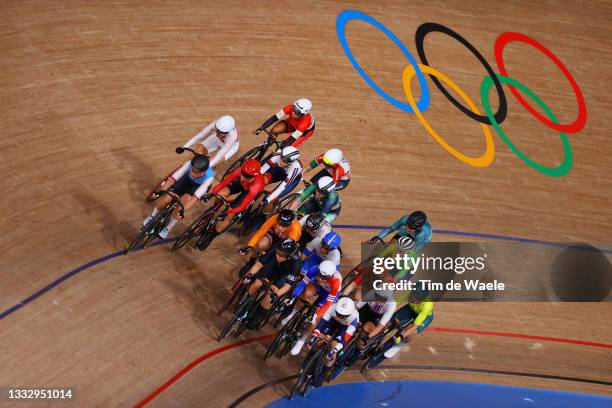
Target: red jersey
253	188
303	124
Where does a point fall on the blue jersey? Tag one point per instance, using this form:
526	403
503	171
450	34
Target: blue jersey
209	174
421	239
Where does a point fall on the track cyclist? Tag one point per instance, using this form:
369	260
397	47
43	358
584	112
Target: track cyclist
284	167
189	182
326	248
276	229
375	312
313	226
413	317
295	119
320	197
247	182
335	166
339	322
281	267
415	224
321	284
221	134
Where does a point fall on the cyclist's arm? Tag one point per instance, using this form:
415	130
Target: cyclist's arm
228	143
306	193
205	185
225	182
300	139
394	227
308	276
180	172
427	308
255	189
388	311
335	285
292	174
280	115
295	231
316	161
200	136
338	173
262	231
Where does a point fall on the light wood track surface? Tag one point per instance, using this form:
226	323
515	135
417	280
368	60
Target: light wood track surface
96	96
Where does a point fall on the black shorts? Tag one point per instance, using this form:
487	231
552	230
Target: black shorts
184	185
366	314
235	187
275	278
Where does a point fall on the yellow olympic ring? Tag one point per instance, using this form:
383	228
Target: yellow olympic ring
483	161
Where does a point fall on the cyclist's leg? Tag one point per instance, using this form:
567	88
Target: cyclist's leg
281	127
233	188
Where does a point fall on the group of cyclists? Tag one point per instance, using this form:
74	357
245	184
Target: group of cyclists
295	253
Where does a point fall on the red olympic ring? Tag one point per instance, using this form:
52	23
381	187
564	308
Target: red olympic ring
580	121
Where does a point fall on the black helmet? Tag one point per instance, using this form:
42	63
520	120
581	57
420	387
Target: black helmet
200	162
286	217
288	247
314	222
416	220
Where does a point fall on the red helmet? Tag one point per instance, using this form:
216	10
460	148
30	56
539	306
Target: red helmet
251	168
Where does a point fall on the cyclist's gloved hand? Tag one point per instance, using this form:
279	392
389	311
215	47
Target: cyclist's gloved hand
243	251
373	239
179	150
258	130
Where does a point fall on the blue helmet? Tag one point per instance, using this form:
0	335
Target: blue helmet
331	241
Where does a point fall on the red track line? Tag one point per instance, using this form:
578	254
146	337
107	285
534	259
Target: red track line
220	350
520	336
197	361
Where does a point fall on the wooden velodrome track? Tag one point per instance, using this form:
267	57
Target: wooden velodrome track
95	96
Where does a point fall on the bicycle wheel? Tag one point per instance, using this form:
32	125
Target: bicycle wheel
348	357
236	292
280	338
292	334
234	322
151	194
305	374
238	162
316	371
194	229
250	222
378	355
148	231
285	202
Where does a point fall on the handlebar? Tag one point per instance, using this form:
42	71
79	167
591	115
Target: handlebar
220	198
175	200
271	138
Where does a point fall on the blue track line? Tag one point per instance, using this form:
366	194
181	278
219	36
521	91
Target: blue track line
108	257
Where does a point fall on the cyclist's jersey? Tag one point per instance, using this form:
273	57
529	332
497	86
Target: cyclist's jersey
327	204
346	326
228	143
340	171
321	232
253	189
302	125
421	239
274	270
204	180
294	231
293	173
313	248
423	310
331	287
384	310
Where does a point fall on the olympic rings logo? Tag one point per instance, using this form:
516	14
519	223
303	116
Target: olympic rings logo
490	118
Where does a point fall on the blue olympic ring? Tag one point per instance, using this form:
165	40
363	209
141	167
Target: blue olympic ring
347	15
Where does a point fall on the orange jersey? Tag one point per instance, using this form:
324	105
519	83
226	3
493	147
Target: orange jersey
294	231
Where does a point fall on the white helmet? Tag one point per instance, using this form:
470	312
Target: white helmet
405	243
345	307
326	185
225	123
327	269
290	154
332	157
303	106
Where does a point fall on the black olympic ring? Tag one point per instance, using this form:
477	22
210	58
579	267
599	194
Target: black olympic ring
427	28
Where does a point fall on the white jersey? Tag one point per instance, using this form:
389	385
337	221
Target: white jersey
347	169
384	310
315	246
293	174
228	144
